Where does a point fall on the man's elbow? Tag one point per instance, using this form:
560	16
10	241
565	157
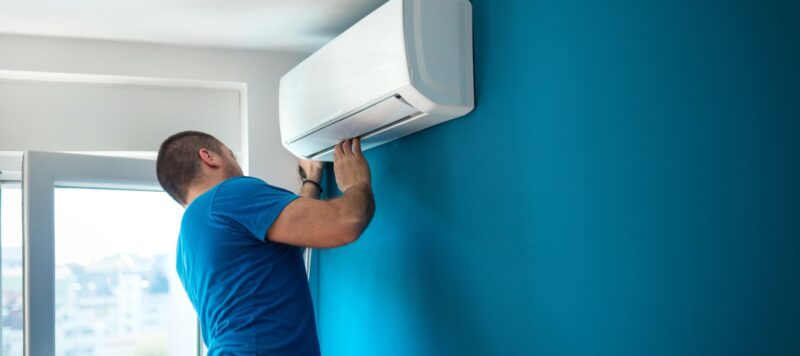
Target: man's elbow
352	220
352	228
346	238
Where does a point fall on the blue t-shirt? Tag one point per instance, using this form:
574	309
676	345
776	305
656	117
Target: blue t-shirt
251	294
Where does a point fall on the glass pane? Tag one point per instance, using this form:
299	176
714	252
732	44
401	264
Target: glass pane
11	233
117	291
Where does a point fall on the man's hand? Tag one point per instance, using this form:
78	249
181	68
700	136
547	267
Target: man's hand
309	169
349	165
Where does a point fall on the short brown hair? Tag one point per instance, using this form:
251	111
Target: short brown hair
178	164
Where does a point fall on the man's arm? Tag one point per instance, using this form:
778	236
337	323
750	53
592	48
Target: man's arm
316	223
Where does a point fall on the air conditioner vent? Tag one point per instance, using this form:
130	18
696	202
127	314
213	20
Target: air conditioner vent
372	119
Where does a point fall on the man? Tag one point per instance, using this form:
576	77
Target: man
239	254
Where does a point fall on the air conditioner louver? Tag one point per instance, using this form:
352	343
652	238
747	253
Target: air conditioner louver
365	123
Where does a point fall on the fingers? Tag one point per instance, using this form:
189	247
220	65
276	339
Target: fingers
346	148
357	146
337	151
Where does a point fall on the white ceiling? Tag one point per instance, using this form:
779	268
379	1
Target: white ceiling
297	25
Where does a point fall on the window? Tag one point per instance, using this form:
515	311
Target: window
99	247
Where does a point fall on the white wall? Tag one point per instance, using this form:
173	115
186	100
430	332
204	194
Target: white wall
260	70
76	116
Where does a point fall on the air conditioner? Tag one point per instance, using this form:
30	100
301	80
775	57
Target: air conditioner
404	67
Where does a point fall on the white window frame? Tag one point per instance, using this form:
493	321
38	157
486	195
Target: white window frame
42	173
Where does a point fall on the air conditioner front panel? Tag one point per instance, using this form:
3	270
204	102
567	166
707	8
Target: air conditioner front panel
404	67
362	65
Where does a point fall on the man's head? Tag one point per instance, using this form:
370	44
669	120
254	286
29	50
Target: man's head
190	158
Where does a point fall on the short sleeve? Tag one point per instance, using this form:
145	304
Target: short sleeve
250	203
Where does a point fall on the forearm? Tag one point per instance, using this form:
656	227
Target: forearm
309	190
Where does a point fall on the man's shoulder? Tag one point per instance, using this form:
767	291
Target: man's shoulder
241	182
246	186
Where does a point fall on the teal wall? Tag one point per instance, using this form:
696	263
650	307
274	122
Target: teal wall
627	185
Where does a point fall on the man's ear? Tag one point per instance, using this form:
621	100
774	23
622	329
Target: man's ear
210	158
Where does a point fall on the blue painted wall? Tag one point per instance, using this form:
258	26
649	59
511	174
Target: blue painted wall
627	185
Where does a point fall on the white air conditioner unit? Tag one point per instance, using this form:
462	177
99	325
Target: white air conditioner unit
404	67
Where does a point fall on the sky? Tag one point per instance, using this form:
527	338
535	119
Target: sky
94	223
11	216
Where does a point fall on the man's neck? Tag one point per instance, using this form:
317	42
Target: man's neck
201	187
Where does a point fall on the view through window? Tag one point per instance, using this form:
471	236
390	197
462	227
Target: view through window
117	292
11	233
